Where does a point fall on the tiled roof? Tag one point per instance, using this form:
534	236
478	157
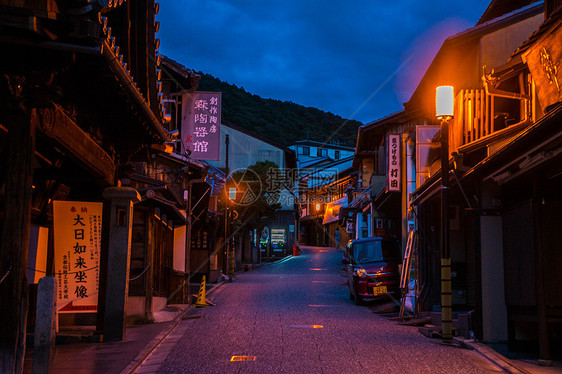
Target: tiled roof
550	23
498	8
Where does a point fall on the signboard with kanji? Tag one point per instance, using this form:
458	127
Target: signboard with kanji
77	242
200	125
543	59
393	163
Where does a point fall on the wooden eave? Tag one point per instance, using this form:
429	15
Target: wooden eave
540	136
65	132
95	78
545	28
444	69
127	84
184	79
168	207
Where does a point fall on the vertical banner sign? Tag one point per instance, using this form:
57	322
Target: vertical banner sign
200	125
393	163
77	241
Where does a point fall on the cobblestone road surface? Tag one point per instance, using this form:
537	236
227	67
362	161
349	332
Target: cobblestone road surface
268	314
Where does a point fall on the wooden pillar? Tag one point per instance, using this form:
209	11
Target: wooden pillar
119	254
14	239
149	259
542	317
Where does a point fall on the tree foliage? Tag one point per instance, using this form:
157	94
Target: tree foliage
254	194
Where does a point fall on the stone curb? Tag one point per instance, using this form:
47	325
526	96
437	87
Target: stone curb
156	341
503	362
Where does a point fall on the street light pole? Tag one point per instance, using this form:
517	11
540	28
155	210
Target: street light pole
231	259
444	110
226	212
318	218
187	197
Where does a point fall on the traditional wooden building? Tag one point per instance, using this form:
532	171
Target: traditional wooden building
505	167
79	96
383	209
320	181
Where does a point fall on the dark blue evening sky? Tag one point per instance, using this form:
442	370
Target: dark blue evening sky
359	59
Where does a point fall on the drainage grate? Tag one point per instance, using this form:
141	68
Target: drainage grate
243	358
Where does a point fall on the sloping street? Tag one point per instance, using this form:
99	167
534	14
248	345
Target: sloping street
296	317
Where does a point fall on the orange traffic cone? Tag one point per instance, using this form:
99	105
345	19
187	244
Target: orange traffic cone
202	298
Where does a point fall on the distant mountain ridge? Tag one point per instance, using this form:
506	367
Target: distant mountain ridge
282	122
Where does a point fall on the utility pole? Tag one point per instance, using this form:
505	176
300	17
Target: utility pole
187	197
229	249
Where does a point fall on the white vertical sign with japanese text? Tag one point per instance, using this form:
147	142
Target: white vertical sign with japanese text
393	163
77	242
200	125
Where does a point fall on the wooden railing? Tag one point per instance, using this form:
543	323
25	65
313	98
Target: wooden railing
473	121
474	116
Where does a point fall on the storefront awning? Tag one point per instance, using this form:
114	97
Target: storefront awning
333	210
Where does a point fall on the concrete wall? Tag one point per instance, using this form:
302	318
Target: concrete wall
497	47
424	135
245	150
136	307
314	152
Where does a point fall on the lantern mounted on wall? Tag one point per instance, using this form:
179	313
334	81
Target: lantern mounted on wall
444	102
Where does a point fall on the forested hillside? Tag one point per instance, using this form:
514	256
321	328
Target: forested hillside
283	122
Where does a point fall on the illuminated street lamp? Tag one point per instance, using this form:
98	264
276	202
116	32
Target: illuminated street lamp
232	193
444	104
318	206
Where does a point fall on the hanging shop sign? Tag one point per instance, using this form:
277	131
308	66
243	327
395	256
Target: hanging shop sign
543	59
393	163
200	125
77	242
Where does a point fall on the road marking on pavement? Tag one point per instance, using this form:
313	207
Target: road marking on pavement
318	269
243	358
305	326
322	282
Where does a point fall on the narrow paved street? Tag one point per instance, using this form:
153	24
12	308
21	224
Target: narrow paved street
296	317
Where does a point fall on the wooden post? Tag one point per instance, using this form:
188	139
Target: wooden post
149	259
15	239
119	255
